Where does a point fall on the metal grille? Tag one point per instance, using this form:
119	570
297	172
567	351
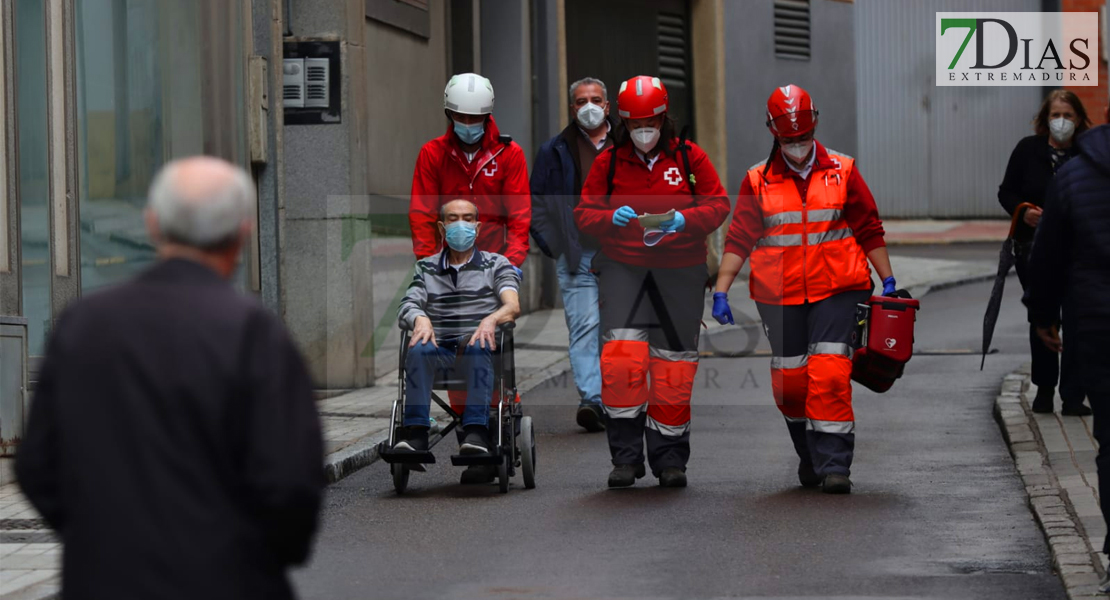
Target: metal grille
792	29
672	50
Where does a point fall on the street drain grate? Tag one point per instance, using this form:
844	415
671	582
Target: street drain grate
23	524
29	537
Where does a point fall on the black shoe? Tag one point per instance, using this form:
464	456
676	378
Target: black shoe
672	477
626	475
478	474
415	440
807	476
1044	401
835	483
591	418
474	440
1076	409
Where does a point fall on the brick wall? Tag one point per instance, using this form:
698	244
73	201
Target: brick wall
1094	98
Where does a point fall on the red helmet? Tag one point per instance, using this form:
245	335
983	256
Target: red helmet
642	97
790	112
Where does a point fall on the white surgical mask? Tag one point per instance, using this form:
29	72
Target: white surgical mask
591	116
799	152
645	138
1061	129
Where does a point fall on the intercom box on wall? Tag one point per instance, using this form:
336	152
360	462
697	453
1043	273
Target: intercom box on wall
311	83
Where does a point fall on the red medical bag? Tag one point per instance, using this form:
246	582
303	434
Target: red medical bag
885	341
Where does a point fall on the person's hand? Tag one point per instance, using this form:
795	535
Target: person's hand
422	332
518	272
677	223
1032	216
721	310
486	334
1051	338
623	215
889	286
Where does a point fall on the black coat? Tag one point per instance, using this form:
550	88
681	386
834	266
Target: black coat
174	443
1027	176
555	193
1070	262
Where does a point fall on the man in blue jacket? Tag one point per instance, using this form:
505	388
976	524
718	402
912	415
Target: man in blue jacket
560	168
1070	268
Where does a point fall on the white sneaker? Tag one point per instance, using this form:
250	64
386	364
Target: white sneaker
1104	585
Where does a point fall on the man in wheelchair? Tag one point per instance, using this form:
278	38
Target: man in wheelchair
453	306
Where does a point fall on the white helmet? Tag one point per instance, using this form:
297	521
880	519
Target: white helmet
469	94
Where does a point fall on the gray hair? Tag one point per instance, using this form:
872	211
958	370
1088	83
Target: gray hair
202	202
587	81
443	208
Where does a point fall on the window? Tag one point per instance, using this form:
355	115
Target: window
792	29
156	81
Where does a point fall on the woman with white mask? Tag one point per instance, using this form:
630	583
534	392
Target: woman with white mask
640	201
1032	166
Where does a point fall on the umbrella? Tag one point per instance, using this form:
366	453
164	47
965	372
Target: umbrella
1006	260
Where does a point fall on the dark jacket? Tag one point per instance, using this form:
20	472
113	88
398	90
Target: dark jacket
555	193
1027	177
174	443
1070	262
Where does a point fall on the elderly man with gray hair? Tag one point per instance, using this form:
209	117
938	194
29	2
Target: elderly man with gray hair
173	441
561	166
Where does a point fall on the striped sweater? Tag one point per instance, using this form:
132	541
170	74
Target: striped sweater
456	299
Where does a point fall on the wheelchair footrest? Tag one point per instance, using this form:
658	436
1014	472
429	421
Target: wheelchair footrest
392	456
466	460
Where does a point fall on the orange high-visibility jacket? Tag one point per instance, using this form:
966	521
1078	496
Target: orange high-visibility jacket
808	251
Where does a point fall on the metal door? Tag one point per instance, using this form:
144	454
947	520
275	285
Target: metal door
614	40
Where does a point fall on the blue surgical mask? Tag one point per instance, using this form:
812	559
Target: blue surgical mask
461	235
470	134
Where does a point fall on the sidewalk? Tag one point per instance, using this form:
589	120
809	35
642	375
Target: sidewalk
355	422
945	232
1055	456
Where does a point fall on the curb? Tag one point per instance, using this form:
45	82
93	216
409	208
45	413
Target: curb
363	453
1072	556
944	242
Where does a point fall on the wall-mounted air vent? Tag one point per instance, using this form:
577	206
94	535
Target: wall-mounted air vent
792	29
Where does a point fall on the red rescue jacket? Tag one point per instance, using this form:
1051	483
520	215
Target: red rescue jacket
656	190
496	181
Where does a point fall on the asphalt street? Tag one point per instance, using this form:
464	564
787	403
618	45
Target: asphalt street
937	511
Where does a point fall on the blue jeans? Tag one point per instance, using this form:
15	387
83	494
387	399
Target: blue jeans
424	361
583	320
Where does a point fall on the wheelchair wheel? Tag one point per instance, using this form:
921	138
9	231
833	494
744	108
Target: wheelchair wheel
528	452
503	474
400	477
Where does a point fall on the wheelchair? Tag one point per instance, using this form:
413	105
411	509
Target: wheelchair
512	437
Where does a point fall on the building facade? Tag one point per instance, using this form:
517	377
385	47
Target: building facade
327	103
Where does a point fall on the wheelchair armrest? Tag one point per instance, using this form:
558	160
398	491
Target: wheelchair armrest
511	325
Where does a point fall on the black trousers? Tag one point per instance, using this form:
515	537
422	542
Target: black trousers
650	325
1048	368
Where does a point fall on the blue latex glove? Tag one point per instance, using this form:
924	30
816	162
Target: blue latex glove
721	310
678	223
889	286
623	215
519	273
